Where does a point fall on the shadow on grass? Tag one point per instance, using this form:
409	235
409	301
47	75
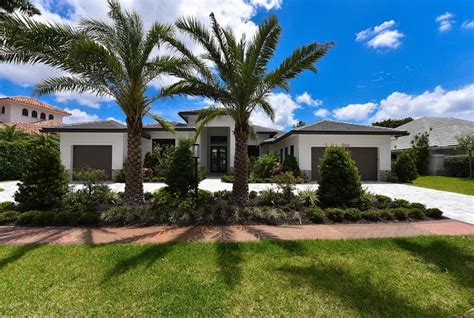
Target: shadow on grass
18	253
449	258
292	247
357	293
229	259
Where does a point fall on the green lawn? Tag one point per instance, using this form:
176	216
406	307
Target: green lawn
424	277
451	184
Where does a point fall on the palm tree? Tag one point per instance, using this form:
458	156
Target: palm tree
108	59
238	81
24	6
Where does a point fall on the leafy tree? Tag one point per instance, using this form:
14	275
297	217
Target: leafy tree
241	81
44	181
405	167
421	151
300	123
393	123
466	143
291	164
180	176
113	59
9	133
13	151
339	183
24	6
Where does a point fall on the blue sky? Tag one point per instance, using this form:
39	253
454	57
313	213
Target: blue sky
391	59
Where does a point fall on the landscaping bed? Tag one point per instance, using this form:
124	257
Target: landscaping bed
414	277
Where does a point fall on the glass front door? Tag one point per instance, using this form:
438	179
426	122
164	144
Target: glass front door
219	159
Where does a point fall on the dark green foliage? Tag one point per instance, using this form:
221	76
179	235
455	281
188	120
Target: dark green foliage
457	166
90	178
180	177
253	194
418	206
416	213
339	183
270	197
223	194
83	200
352	214
399	203
7	206
308	197
393	123
387	215
228	178
421	151
8	217
405	167
12	159
290	164
44	181
35	218
434	213
49	218
315	214
264	166
400	214
129	215
335	214
371	215
159	160
382	201
286	183
24	6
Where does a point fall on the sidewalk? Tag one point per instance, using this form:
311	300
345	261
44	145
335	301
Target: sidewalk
165	234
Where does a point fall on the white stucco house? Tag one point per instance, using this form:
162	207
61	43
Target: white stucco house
103	144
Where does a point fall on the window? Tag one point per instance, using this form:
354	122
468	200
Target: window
292	150
24	112
253	151
43	116
281	154
34	114
218	139
286	152
3	109
51	117
163	142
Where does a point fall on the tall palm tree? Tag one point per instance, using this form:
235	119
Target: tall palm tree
108	59
234	73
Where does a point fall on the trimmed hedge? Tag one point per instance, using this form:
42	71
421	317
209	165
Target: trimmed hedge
47	218
457	166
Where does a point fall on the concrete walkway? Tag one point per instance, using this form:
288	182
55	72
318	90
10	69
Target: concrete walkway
455	206
166	234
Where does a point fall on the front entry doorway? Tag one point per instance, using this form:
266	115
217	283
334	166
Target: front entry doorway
218	159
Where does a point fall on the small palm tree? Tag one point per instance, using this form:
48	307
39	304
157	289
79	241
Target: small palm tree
239	80
108	59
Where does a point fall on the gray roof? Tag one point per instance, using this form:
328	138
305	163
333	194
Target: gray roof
329	127
443	131
103	125
263	130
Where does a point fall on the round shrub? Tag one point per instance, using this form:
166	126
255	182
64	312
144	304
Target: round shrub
315	214
335	214
399	203
264	166
382	201
371	215
180	176
415	213
457	166
387	215
418	206
290	164
352	214
35	218
434	213
7	206
400	214
8	217
228	178
339	183
405	167
224	194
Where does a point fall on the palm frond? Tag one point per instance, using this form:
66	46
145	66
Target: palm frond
71	84
207	115
166	125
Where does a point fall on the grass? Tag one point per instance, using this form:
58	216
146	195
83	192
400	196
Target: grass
451	184
423	277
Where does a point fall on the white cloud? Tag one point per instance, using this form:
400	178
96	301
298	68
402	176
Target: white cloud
381	36
27	75
283	106
468	24
457	103
322	112
358	112
306	99
267	4
79	116
86	99
445	21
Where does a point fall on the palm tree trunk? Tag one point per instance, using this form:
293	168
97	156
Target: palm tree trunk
134	177
240	188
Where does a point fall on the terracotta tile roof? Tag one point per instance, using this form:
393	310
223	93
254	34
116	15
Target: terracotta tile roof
37	103
33	128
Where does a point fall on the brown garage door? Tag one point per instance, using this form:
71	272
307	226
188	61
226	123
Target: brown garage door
94	157
365	159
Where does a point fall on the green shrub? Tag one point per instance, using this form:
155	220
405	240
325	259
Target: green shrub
252	194
315	214
205	197
129	215
228	178
223	194
264	166
418	206
88	200
44	181
405	167
267	215
8	217
399	203
371	215
339	183
35	218
180	176
457	166
352	214
286	183
382	201
290	164
421	151
119	176
387	215
400	214
434	213
309	197
335	214
12	159
7	206
416	213
270	197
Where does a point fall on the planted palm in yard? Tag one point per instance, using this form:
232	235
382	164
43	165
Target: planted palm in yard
108	59
241	82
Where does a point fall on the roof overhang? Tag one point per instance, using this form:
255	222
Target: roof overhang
88	130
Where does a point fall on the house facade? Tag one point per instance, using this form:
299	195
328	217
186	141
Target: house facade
103	144
443	133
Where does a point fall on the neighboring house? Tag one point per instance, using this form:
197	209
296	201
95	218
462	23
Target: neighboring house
28	114
443	132
103	144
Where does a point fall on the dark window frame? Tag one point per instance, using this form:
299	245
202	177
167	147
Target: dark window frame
292	150
3	109
218	140
50	117
25	112
34	114
43	116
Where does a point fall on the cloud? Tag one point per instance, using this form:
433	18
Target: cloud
267	4
79	116
445	21
468	24
322	112
457	103
306	99
27	75
357	112
86	99
117	120
381	36
283	106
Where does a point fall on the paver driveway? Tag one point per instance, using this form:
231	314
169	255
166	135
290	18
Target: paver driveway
455	206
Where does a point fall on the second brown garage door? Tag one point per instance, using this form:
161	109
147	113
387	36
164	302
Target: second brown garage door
365	159
93	157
